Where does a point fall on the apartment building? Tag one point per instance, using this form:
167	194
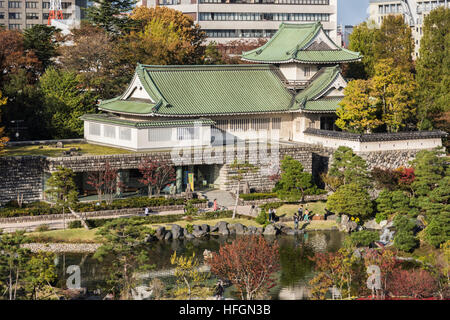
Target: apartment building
22	14
414	12
227	20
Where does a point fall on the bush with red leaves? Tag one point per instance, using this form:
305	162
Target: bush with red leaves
412	283
249	263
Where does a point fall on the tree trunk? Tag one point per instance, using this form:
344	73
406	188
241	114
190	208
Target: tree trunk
150	189
237	199
64	219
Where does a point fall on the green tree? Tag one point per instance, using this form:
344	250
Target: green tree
350	199
13	262
357	111
239	170
394	41
349	168
125	241
109	15
394	91
433	70
41	272
404	238
64	103
438	231
437	202
361	40
294	181
43	40
62	189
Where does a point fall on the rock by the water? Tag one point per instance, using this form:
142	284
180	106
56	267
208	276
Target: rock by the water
383	223
251	229
223	228
160	232
199	233
196	227
205	227
189	236
372	224
177	231
239	228
332	217
271	230
168	235
259	230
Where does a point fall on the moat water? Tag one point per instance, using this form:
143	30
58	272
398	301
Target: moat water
291	281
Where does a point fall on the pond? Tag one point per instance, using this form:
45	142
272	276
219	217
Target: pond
291	281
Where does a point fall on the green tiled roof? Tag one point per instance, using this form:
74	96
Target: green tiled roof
319	84
322	105
206	90
104	118
289	44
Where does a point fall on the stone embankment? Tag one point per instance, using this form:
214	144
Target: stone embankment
63	247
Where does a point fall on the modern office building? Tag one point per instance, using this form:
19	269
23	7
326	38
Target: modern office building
227	20
22	14
414	12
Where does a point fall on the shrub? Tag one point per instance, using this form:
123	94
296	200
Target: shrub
350	199
189	228
364	237
380	216
412	283
262	217
438	231
257	196
403	223
405	240
43	227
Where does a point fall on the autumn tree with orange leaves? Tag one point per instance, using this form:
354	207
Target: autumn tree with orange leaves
249	263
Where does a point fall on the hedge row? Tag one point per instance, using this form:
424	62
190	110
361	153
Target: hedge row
257	196
95	223
44	208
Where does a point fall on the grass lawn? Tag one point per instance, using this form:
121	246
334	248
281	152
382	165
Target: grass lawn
52	151
317	207
79	235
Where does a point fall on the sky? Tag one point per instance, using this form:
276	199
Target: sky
352	12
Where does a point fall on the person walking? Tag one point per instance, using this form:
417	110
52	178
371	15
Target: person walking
215	207
146	211
218	292
306	216
295	221
300	213
270	214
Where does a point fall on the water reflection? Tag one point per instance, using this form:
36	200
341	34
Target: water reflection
296	268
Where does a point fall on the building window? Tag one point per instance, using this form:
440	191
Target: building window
239	124
188	134
94	129
14	4
109	131
2	4
14	15
32	15
307	71
2	15
65	5
260	124
222	124
160	134
125	134
276	123
31	5
46	5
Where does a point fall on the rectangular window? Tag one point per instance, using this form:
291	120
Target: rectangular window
2	15
307	71
14	4
31	5
239	124
65	5
188	134
159	134
109	131
125	133
46	5
94	129
260	124
32	15
222	124
14	15
2	4
276	123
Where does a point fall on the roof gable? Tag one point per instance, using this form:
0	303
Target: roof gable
303	43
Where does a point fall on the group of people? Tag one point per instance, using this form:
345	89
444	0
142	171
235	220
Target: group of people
272	215
300	215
